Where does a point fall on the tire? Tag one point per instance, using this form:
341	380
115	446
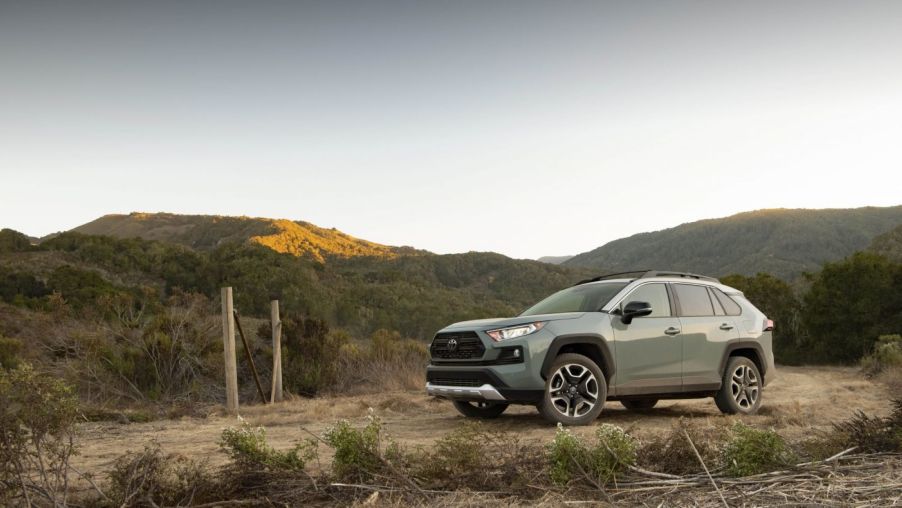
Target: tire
639	404
480	409
740	392
575	391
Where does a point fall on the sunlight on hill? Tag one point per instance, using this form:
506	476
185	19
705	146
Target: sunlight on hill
303	239
210	231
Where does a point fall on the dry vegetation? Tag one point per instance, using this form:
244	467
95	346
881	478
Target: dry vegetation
826	436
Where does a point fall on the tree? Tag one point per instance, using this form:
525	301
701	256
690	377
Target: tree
777	300
850	303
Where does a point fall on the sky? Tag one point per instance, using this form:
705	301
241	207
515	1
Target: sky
526	128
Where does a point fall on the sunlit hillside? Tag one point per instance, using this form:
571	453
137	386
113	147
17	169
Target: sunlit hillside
209	231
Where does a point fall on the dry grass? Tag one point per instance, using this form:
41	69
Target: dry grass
892	378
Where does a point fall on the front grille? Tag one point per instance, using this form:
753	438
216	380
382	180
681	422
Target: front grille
474	383
468	346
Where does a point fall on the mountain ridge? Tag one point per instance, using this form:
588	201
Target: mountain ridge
206	232
783	241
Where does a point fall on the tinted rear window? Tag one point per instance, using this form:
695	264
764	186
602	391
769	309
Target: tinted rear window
732	308
694	300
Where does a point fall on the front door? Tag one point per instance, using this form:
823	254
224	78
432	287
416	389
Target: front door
649	350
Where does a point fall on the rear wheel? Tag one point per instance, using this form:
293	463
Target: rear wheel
574	392
480	409
639	404
740	392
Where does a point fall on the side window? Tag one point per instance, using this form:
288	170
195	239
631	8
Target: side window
732	308
718	308
694	300
656	295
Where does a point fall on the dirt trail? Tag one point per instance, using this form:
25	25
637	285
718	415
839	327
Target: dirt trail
800	400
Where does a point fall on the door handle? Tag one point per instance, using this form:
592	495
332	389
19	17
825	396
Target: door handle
726	326
672	331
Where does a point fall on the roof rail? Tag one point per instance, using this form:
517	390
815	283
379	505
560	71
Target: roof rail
646	274
609	275
654	273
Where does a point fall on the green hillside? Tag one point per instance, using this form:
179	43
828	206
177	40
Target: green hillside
889	245
209	231
783	242
415	295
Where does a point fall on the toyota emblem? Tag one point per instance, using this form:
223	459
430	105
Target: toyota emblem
452	345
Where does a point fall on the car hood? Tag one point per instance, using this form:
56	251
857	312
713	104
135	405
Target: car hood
494	323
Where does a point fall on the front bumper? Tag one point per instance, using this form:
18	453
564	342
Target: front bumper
484	392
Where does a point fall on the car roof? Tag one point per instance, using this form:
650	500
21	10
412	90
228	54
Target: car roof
677	280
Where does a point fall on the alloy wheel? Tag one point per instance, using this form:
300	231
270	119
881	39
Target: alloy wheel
573	390
744	386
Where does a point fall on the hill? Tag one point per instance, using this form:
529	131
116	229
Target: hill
415	294
889	244
783	242
206	232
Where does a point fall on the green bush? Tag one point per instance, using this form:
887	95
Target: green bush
248	449
887	352
38	414
311	355
752	451
613	453
360	454
9	352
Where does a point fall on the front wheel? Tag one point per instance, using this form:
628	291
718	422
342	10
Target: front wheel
574	392
480	409
741	389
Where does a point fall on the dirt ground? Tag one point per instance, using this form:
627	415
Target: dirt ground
801	400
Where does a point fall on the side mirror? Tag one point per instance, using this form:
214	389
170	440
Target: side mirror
634	310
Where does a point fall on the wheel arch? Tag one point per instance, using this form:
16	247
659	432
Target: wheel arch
751	350
593	346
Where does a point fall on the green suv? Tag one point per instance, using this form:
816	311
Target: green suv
634	337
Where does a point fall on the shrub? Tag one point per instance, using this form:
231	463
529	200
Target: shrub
673	454
752	451
360	454
873	433
613	452
386	362
150	352
152	478
248	449
9	352
310	355
887	353
37	434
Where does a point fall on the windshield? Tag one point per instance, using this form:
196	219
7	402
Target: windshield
582	298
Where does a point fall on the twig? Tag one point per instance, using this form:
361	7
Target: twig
706	469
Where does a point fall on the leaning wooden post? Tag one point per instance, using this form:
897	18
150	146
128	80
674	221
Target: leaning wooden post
276	393
228	343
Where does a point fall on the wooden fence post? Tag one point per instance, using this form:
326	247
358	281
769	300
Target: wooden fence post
276	393
228	343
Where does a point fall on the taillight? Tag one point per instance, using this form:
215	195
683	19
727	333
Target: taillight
768	325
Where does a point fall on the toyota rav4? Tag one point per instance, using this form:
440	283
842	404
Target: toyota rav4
634	337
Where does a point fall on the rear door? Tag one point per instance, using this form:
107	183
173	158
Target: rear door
648	351
707	331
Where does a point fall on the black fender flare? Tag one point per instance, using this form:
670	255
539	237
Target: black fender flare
754	346
590	339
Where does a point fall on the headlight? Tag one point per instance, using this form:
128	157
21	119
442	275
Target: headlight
515	331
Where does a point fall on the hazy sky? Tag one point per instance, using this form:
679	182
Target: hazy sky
527	128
